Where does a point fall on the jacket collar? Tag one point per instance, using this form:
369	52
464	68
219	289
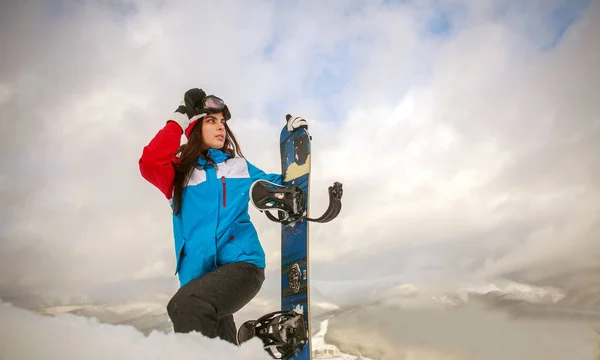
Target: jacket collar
213	156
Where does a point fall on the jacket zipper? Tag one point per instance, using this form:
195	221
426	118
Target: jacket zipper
181	255
224	191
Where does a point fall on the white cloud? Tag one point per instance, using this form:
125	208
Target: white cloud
472	144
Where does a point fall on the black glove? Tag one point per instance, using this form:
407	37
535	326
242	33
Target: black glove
193	102
191	105
190	108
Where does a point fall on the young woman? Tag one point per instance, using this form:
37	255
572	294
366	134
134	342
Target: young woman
219	259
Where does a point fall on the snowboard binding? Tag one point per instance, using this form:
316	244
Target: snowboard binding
290	202
283	333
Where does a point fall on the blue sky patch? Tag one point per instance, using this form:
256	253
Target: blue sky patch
562	18
543	23
444	21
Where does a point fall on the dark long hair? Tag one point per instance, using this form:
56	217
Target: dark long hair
190	152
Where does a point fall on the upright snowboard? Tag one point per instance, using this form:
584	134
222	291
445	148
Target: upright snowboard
295	274
288	330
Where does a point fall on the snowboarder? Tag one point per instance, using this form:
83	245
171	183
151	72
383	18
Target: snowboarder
220	261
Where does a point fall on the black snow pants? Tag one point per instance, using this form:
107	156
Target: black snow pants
207	304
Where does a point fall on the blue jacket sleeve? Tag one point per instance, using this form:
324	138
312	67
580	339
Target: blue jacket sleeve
258	174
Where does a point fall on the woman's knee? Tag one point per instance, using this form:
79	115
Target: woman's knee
173	305
186	302
189	313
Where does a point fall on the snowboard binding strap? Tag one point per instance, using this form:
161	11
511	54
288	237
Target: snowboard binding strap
290	202
282	331
335	204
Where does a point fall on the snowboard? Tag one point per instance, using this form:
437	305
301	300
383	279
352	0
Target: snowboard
286	332
295	153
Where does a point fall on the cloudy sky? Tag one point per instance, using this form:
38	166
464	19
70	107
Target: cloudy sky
466	133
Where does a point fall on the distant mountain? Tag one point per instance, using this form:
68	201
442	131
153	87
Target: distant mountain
456	318
460	319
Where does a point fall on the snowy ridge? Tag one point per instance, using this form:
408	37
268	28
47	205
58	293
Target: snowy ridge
449	294
145	316
322	350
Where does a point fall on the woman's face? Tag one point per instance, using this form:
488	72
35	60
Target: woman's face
213	130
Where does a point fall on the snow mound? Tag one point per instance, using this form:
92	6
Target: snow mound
26	335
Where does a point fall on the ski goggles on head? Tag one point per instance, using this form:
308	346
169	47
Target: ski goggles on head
214	104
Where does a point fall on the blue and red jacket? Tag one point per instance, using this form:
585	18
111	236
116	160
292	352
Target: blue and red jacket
213	227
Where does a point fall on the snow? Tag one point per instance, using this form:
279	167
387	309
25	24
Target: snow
322	350
455	293
26	335
324	305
